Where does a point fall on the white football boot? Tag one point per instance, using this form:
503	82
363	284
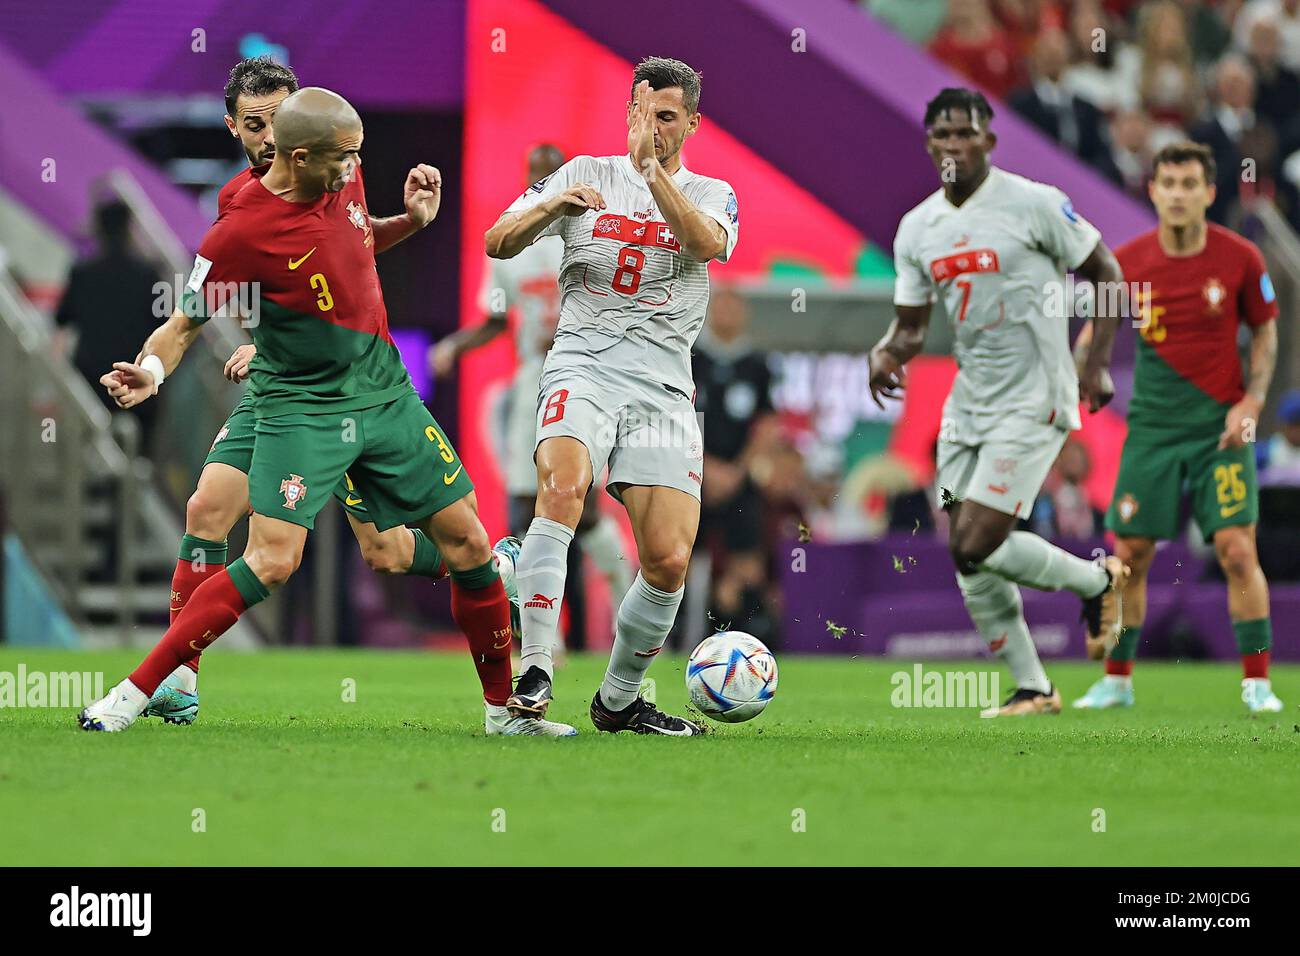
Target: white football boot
1257	693
499	721
118	711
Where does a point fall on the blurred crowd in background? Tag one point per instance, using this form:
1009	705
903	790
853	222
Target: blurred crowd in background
1110	81
1115	80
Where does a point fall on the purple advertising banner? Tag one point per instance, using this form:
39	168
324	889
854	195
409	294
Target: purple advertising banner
394	54
898	597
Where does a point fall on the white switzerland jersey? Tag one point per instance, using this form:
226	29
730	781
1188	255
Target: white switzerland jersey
629	297
998	261
528	284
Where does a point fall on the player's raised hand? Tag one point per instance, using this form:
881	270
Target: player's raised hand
641	130
129	384
237	365
1096	388
577	199
887	376
423	194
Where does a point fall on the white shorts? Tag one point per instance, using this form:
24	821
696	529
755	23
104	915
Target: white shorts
648	434
521	431
1005	470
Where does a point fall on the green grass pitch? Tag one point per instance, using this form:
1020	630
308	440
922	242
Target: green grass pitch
285	772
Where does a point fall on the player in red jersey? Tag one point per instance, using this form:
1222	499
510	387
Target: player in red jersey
293	257
1192	418
255	89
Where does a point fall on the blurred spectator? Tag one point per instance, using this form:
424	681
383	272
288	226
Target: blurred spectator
918	20
1280	456
1104	69
1127	162
1168	82
106	306
1277	96
1207	30
974	44
1062	509
733	398
1073	122
1284	13
1230	119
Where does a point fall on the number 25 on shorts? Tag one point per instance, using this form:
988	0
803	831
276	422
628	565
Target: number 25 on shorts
554	408
1230	489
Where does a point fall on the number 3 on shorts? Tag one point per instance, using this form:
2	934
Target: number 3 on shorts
554	407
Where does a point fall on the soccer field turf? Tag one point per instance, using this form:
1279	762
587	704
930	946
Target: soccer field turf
286	772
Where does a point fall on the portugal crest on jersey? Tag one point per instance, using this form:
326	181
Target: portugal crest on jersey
357	216
1127	508
1214	294
293	490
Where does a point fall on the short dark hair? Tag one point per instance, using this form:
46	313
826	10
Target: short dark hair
664	73
257	76
1186	152
958	98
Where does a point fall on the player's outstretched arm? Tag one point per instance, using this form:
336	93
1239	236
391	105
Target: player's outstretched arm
1101	269
900	345
130	383
515	231
422	197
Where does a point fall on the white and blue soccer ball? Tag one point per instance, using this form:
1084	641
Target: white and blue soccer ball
731	676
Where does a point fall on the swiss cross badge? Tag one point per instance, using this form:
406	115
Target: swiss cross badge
357	216
293	490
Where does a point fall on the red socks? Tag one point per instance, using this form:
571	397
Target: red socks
1255	665
212	608
484	615
1119	668
185	579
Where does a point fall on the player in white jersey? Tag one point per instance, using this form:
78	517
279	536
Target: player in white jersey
995	247
528	283
639	230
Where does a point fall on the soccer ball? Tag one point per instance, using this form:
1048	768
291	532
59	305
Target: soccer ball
731	676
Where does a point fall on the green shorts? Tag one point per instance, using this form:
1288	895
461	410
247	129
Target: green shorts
391	459
1159	463
233	446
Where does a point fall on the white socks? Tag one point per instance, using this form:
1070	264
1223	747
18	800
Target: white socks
1030	560
540	572
994	605
644	619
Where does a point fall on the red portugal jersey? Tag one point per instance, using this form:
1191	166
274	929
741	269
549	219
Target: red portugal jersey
1190	308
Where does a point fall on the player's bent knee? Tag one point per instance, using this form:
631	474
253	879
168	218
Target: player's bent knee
1236	552
381	559
273	568
208	516
968	554
665	568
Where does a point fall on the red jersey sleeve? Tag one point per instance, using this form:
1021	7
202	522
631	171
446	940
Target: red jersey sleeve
222	268
1258	301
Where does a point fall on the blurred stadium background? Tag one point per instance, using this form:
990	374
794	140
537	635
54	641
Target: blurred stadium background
812	111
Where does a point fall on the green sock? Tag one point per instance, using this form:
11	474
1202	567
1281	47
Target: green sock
246	583
479	577
1253	636
1126	648
202	550
428	559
